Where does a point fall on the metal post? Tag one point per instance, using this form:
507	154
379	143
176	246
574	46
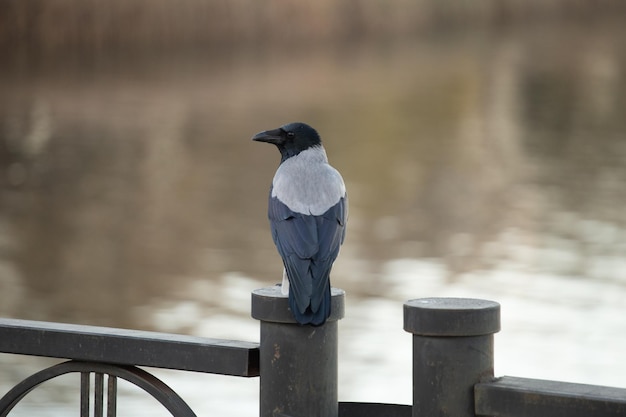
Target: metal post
452	351
298	363
85	387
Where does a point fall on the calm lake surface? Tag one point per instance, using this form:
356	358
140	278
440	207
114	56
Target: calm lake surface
488	165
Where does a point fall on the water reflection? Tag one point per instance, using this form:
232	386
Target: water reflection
133	197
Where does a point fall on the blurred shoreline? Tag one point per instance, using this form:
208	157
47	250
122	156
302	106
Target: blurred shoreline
45	29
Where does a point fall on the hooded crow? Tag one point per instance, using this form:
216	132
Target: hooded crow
308	209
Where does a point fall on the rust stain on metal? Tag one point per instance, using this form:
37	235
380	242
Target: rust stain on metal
276	353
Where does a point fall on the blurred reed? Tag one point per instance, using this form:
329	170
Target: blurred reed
44	27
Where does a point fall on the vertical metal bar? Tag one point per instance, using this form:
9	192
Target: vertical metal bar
98	407
298	363
112	396
84	394
452	352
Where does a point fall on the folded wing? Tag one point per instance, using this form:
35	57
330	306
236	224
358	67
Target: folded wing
308	246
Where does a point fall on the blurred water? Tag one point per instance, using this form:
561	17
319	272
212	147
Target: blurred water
477	166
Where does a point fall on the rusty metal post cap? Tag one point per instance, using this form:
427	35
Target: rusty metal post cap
269	304
451	317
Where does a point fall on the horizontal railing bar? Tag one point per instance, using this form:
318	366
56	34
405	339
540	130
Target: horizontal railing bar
522	397
129	347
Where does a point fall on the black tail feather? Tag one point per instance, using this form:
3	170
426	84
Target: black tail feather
315	318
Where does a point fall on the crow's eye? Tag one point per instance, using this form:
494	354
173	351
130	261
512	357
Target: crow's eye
291	135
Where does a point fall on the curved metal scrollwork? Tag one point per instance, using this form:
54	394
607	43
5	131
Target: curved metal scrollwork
144	380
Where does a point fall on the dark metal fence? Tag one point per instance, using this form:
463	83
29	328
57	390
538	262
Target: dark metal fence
116	353
452	365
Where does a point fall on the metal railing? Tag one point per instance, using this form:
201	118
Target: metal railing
453	357
117	353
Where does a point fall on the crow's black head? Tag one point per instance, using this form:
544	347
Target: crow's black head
291	139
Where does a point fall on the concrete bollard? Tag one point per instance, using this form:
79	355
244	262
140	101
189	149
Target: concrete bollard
452	351
298	364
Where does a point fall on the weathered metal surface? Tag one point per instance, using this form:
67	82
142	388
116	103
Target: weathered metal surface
352	409
98	395
451	317
112	396
522	397
148	382
129	347
43	376
298	363
452	351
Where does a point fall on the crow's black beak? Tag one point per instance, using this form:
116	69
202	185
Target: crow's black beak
270	136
